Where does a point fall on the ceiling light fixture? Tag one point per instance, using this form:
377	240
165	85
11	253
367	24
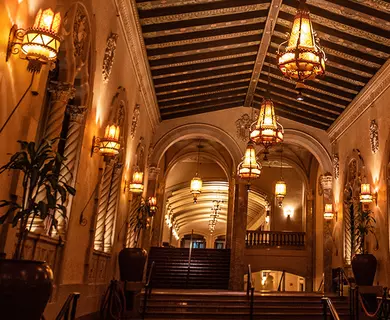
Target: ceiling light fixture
280	186
249	169
196	182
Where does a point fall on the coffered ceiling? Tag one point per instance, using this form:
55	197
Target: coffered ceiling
208	55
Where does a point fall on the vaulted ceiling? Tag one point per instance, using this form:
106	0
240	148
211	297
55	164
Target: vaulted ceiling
208	55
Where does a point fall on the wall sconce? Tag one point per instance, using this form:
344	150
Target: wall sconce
40	43
365	194
109	145
153	204
288	212
328	212
137	184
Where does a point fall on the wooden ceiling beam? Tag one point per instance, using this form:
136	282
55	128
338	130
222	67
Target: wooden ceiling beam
263	48
200	110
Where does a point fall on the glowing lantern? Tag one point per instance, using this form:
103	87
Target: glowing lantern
137	183
303	59
196	187
266	131
153	204
249	168
109	145
328	213
280	192
365	193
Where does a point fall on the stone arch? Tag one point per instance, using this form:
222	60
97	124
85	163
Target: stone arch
307	141
192	131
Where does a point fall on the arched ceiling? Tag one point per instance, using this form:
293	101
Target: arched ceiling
211	55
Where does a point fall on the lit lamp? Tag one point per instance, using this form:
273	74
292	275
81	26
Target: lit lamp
109	145
137	183
303	58
153	204
196	187
267	218
328	213
249	168
288	212
266	131
365	193
280	192
40	43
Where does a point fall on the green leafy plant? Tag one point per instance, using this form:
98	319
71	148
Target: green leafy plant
365	225
44	189
140	218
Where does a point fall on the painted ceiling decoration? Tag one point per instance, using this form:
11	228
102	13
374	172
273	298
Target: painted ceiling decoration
209	55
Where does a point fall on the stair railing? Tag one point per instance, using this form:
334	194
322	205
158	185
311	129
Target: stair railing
250	288
282	281
189	259
327	304
69	308
148	289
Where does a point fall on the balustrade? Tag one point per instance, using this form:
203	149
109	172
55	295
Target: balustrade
274	238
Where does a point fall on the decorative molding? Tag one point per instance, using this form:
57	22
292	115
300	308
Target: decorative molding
370	93
76	113
134	121
128	16
81	31
374	136
336	165
243	125
109	56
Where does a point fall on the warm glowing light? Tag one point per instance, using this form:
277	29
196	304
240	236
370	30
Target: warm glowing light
109	145
288	212
328	212
267	219
196	187
137	183
267	131
303	59
41	41
365	193
153	204
280	192
249	168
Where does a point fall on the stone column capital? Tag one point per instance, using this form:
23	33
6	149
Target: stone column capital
76	113
61	91
153	172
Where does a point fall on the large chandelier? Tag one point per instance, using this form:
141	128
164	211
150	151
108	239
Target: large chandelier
196	182
303	58
249	168
267	131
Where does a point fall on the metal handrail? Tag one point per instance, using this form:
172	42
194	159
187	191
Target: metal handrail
343	276
327	303
69	307
282	278
250	288
148	288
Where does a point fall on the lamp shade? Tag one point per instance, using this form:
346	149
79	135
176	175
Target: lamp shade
153	203
249	168
196	187
137	183
267	131
365	193
302	58
328	212
41	41
109	144
280	191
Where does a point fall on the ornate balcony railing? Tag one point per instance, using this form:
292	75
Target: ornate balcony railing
274	239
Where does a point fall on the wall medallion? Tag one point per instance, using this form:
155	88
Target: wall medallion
243	125
374	138
109	56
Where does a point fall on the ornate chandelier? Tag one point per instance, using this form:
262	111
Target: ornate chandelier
196	182
249	168
303	58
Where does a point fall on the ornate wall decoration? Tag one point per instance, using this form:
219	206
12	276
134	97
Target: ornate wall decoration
80	33
109	56
134	121
336	165
374	137
243	126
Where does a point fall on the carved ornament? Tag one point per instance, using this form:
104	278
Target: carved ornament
134	121
336	165
243	126
109	56
374	137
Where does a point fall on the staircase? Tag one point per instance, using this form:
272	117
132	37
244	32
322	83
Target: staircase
209	268
213	305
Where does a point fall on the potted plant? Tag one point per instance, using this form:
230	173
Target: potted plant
364	263
26	285
132	260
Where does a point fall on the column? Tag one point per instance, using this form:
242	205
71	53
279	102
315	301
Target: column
237	266
230	213
309	240
326	182
151	192
158	220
